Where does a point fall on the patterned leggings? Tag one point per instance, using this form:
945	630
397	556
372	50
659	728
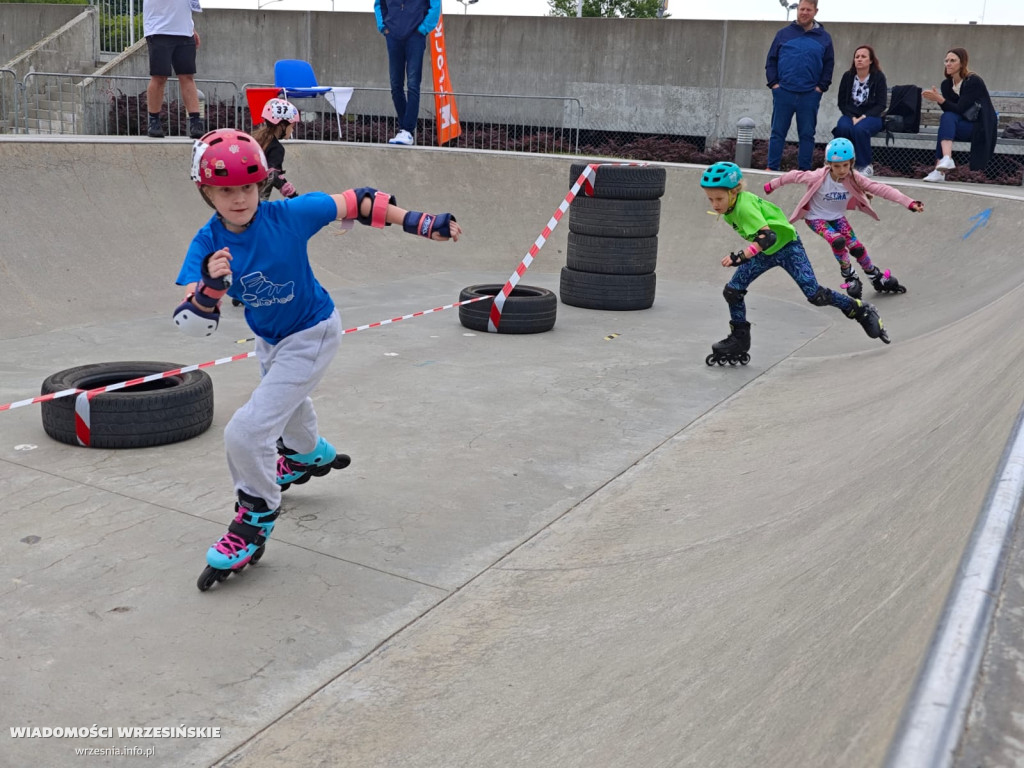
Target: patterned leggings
840	228
792	258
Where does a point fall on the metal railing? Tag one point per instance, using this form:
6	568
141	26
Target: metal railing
8	100
120	24
542	124
50	102
61	103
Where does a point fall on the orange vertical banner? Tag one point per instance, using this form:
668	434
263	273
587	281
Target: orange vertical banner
448	127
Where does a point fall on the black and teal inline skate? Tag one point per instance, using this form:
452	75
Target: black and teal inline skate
297	468
733	348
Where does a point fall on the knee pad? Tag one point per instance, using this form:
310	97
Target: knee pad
839	244
821	298
733	296
858	251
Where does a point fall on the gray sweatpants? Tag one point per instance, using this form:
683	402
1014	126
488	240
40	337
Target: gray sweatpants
280	406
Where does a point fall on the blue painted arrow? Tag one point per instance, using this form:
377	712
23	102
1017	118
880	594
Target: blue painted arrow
980	220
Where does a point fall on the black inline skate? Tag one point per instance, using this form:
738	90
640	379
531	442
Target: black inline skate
867	316
733	348
884	282
293	467
244	542
851	282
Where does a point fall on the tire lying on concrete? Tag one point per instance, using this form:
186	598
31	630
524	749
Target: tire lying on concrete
598	217
624	182
612	255
527	309
158	412
591	290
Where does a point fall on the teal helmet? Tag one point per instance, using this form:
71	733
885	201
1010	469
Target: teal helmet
838	150
724	175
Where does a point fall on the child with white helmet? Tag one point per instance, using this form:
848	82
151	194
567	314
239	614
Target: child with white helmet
773	243
831	191
279	118
256	252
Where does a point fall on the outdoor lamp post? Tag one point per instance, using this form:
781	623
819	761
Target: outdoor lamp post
788	6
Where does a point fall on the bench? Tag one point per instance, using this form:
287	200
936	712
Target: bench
1008	162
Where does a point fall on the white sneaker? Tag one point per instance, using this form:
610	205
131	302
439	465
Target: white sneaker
946	164
867	170
935	175
403	137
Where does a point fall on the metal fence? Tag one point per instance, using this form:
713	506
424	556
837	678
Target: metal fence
8	100
120	24
63	103
542	124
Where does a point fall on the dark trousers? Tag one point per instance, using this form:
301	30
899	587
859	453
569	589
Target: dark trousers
405	60
860	134
785	104
953	127
793	258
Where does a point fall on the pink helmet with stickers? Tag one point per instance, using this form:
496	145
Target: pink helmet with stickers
227	158
276	110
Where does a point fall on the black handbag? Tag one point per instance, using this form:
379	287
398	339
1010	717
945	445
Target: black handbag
972	112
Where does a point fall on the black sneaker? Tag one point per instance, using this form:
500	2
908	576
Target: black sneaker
196	129
156	128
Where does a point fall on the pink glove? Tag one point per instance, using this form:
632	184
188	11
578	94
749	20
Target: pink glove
768	188
288	190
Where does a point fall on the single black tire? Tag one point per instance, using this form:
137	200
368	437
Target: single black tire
625	182
612	255
590	290
158	412
527	309
597	217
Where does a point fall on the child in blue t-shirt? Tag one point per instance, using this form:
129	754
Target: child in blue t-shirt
256	252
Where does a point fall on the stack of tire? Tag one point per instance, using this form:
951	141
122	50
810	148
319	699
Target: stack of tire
613	239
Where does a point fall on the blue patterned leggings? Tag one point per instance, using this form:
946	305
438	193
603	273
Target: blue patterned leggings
792	258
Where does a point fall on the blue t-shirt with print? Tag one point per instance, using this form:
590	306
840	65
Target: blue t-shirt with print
270	268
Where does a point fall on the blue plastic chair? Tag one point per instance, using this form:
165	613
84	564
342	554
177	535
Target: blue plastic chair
296	80
295	77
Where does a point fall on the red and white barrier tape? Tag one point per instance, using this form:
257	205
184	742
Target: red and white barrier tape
586	180
82	405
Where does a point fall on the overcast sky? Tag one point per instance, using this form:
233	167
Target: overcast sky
904	11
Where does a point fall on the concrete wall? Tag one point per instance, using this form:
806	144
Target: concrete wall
672	76
72	47
23	25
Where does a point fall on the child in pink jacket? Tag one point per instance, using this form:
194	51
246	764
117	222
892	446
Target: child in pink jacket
833	190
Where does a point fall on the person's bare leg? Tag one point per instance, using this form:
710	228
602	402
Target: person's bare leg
947	150
155	94
189	92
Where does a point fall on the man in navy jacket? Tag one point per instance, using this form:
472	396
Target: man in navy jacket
799	70
405	25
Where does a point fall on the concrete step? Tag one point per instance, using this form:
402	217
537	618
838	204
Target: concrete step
44	125
55	105
53	114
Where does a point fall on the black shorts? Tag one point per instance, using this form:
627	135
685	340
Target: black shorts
171	51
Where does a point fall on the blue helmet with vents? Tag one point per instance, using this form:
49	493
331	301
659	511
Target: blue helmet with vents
724	175
838	151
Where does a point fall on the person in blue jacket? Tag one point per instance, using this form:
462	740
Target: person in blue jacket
798	69
405	25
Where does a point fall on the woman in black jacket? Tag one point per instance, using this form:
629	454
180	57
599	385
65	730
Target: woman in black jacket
967	115
862	102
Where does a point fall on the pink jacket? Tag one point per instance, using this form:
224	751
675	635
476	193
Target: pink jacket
858	199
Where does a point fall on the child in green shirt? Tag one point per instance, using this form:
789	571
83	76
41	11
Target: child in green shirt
773	243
